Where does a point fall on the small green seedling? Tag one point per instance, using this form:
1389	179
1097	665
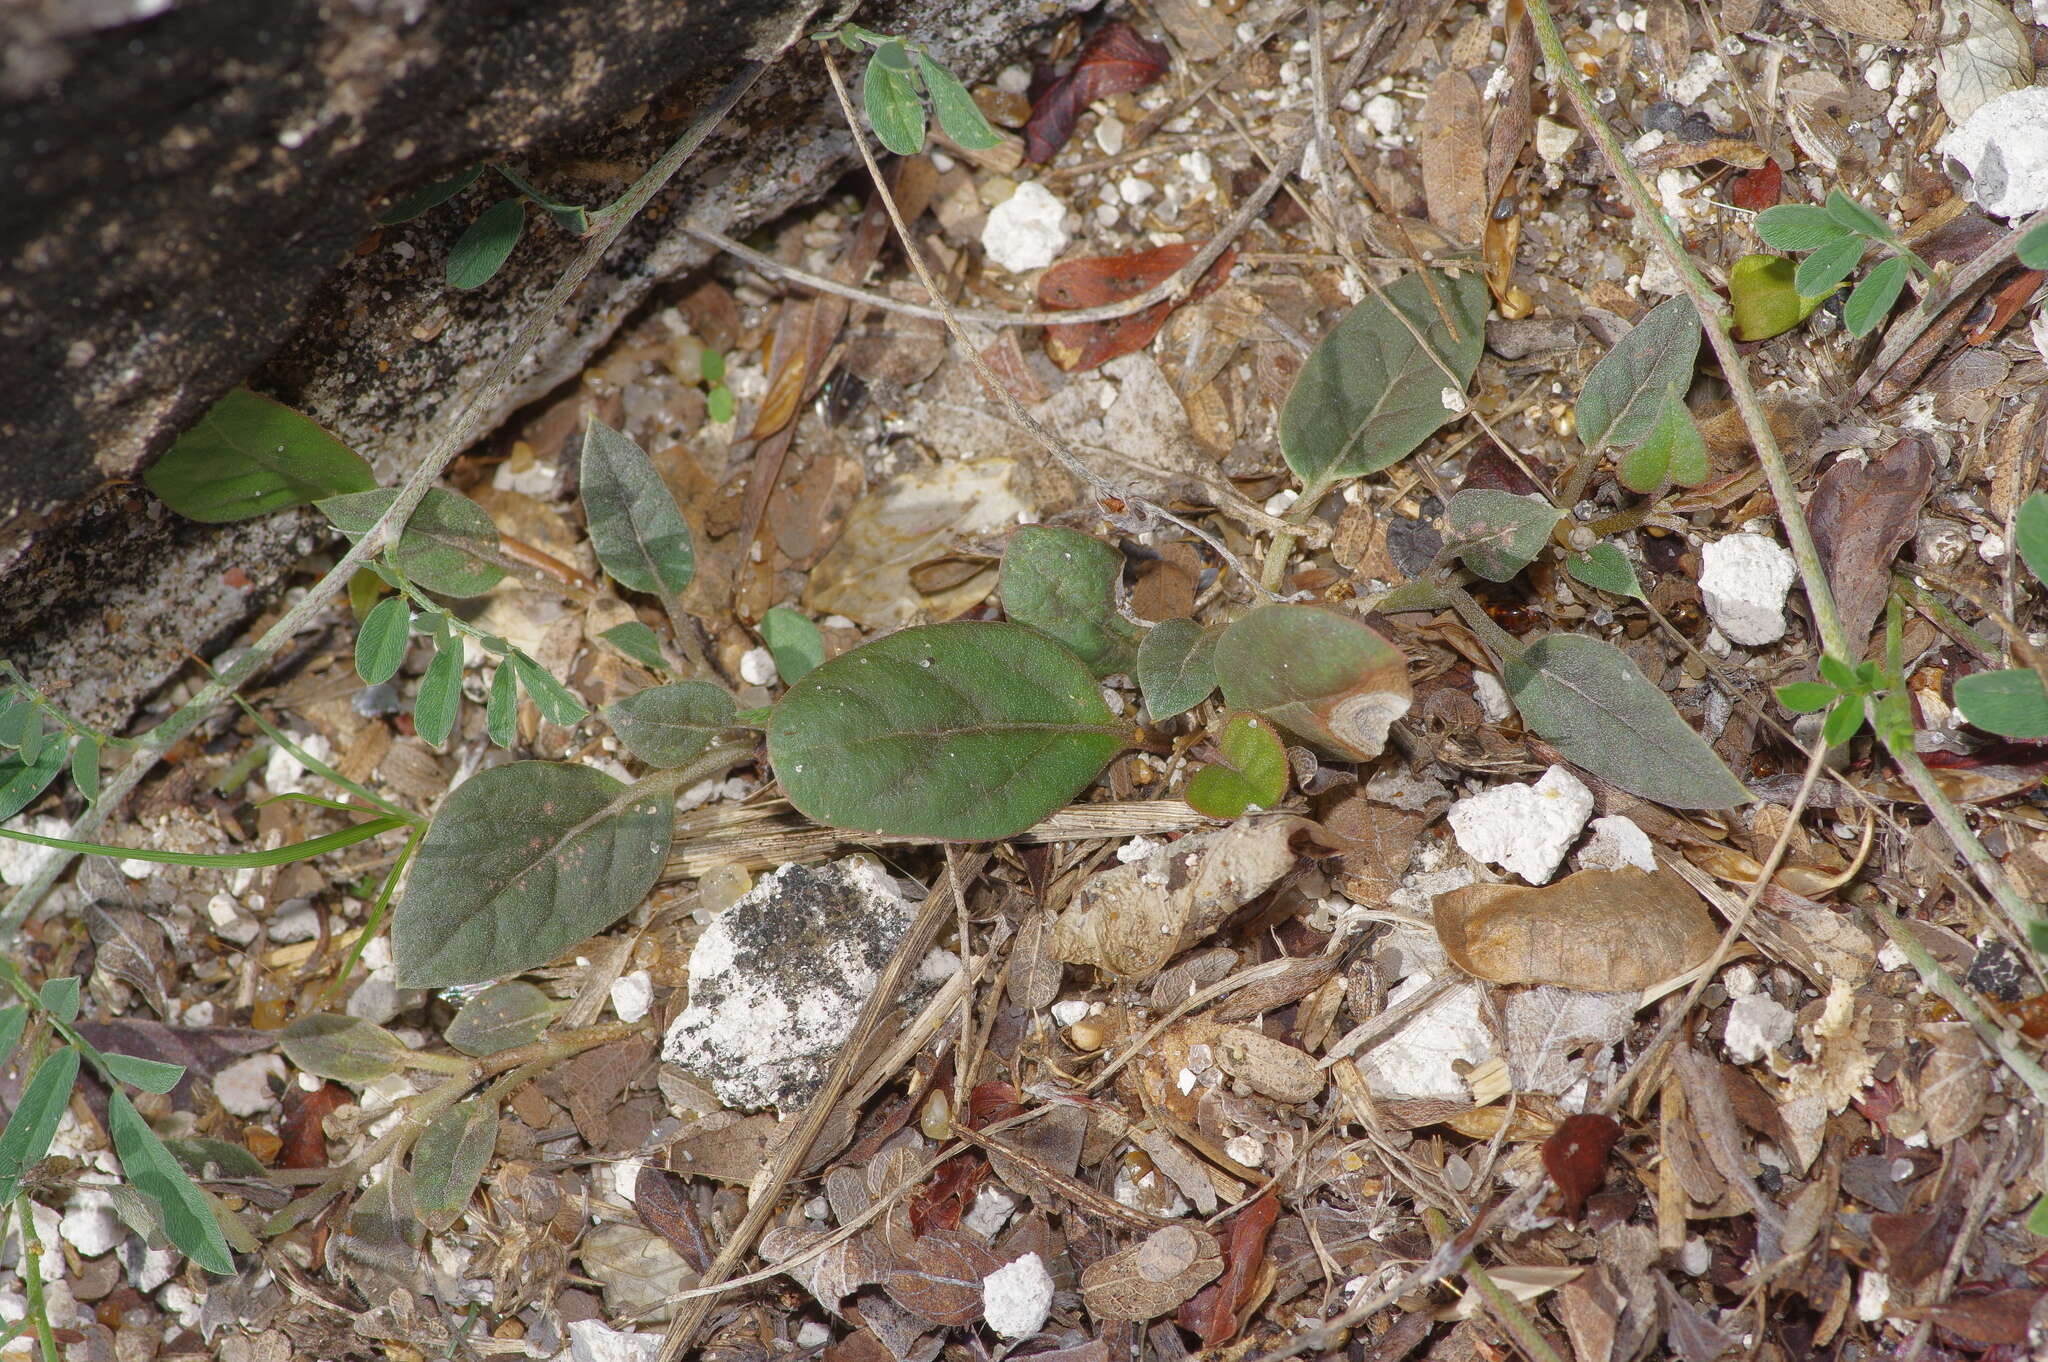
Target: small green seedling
1841	691
902	80
2014	703
484	246
1833	239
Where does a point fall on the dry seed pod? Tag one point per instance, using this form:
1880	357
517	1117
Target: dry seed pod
1151	1278
1131	919
1601	930
1271	1068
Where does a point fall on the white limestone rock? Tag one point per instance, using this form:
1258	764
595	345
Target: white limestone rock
1016	1297
1524	829
1743	580
1026	231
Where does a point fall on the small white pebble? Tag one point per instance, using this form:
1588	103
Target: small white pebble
1280	501
632	995
1133	190
813	1334
1524	829
1016	1297
1493	697
1618	842
757	667
1106	215
1109	134
243	1087
1026	231
1068	1011
1246	1149
941	162
1743	581
1013	79
1383	114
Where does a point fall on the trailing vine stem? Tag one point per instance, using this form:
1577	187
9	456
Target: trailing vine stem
466	426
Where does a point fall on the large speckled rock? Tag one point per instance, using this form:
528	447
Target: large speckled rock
190	193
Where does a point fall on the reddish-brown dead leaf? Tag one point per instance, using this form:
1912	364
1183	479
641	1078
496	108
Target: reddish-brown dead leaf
1152	1277
1603	930
303	1129
2005	304
2000	1317
1005	359
663	1202
1115	60
1862	512
1576	1158
1098	280
1214	1311
1452	147
1755	190
940	1279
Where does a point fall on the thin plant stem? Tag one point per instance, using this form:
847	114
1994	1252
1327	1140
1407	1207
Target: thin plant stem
32	1279
2001	1041
1715	318
1511	1316
2025	916
460	432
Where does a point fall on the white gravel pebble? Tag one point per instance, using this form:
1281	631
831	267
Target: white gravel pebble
243	1087
1016	1297
632	995
1743	580
2003	150
1524	829
1757	1025
757	667
1025	231
1617	842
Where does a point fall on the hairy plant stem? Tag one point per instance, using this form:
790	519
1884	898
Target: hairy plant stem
461	431
1716	320
32	1279
2001	1041
2024	916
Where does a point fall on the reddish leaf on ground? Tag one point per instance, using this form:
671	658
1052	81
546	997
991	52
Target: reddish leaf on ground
1756	190
663	1202
303	1131
2006	304
945	1199
1212	1313
2000	1317
1575	1156
1863	512
1115	60
1098	280
991	1102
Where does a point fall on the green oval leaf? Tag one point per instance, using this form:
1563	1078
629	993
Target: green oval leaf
1674	452
894	109
1252	774
249	456
718	403
484	245
638	642
955	108
670	725
1807	697
1497	534
1827	267
1762	296
227	1160
793	641
440	694
1797	227
346	1049
1854	217
522	862
1322	676
23	782
85	768
1872	299
640	536
1368	394
150	1075
432	196
1605	567
381	642
1622	396
967	731
13	1019
1589	700
1063	584
450	1157
1176	667
61	997
2012	704
188	1218
1842	722
556	702
34	1122
501	711
501	1017
2033	248
447	545
2030	535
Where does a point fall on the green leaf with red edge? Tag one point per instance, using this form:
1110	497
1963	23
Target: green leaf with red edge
1320	675
1252	772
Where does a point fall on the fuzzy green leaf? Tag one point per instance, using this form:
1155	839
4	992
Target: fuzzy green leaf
485	244
1820	273
449	1159
1605	567
638	642
2033	248
1624	393
522	862
1589	700
556	702
187	1215
1320	675
60	996
1872	299
501	711
1764	299
955	108
1063	584
894	108
440	694
501	1017
2030	535
1842	721
150	1075
793	641
34	1122
346	1049
1854	217
1673	451
13	1020
1797	227
381	642
432	196
639	534
1807	697
2012	704
1497	534
1368	394
23	782
967	731
1252	773
1176	667
447	544
669	726
249	456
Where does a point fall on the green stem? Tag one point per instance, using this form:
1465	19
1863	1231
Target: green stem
460	432
1999	1040
2025	917
32	1279
1716	320
1511	1316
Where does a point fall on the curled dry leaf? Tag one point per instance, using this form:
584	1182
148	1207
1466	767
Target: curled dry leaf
1452	145
1151	1278
940	1278
1215	1311
1115	60
1271	1068
1601	930
1863	512
1132	919
1576	1158
1098	280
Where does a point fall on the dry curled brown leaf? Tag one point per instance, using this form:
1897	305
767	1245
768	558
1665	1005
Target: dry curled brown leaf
1601	930
1114	61
1152	1277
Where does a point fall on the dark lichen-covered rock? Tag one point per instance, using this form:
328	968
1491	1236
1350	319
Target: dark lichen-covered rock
191	194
